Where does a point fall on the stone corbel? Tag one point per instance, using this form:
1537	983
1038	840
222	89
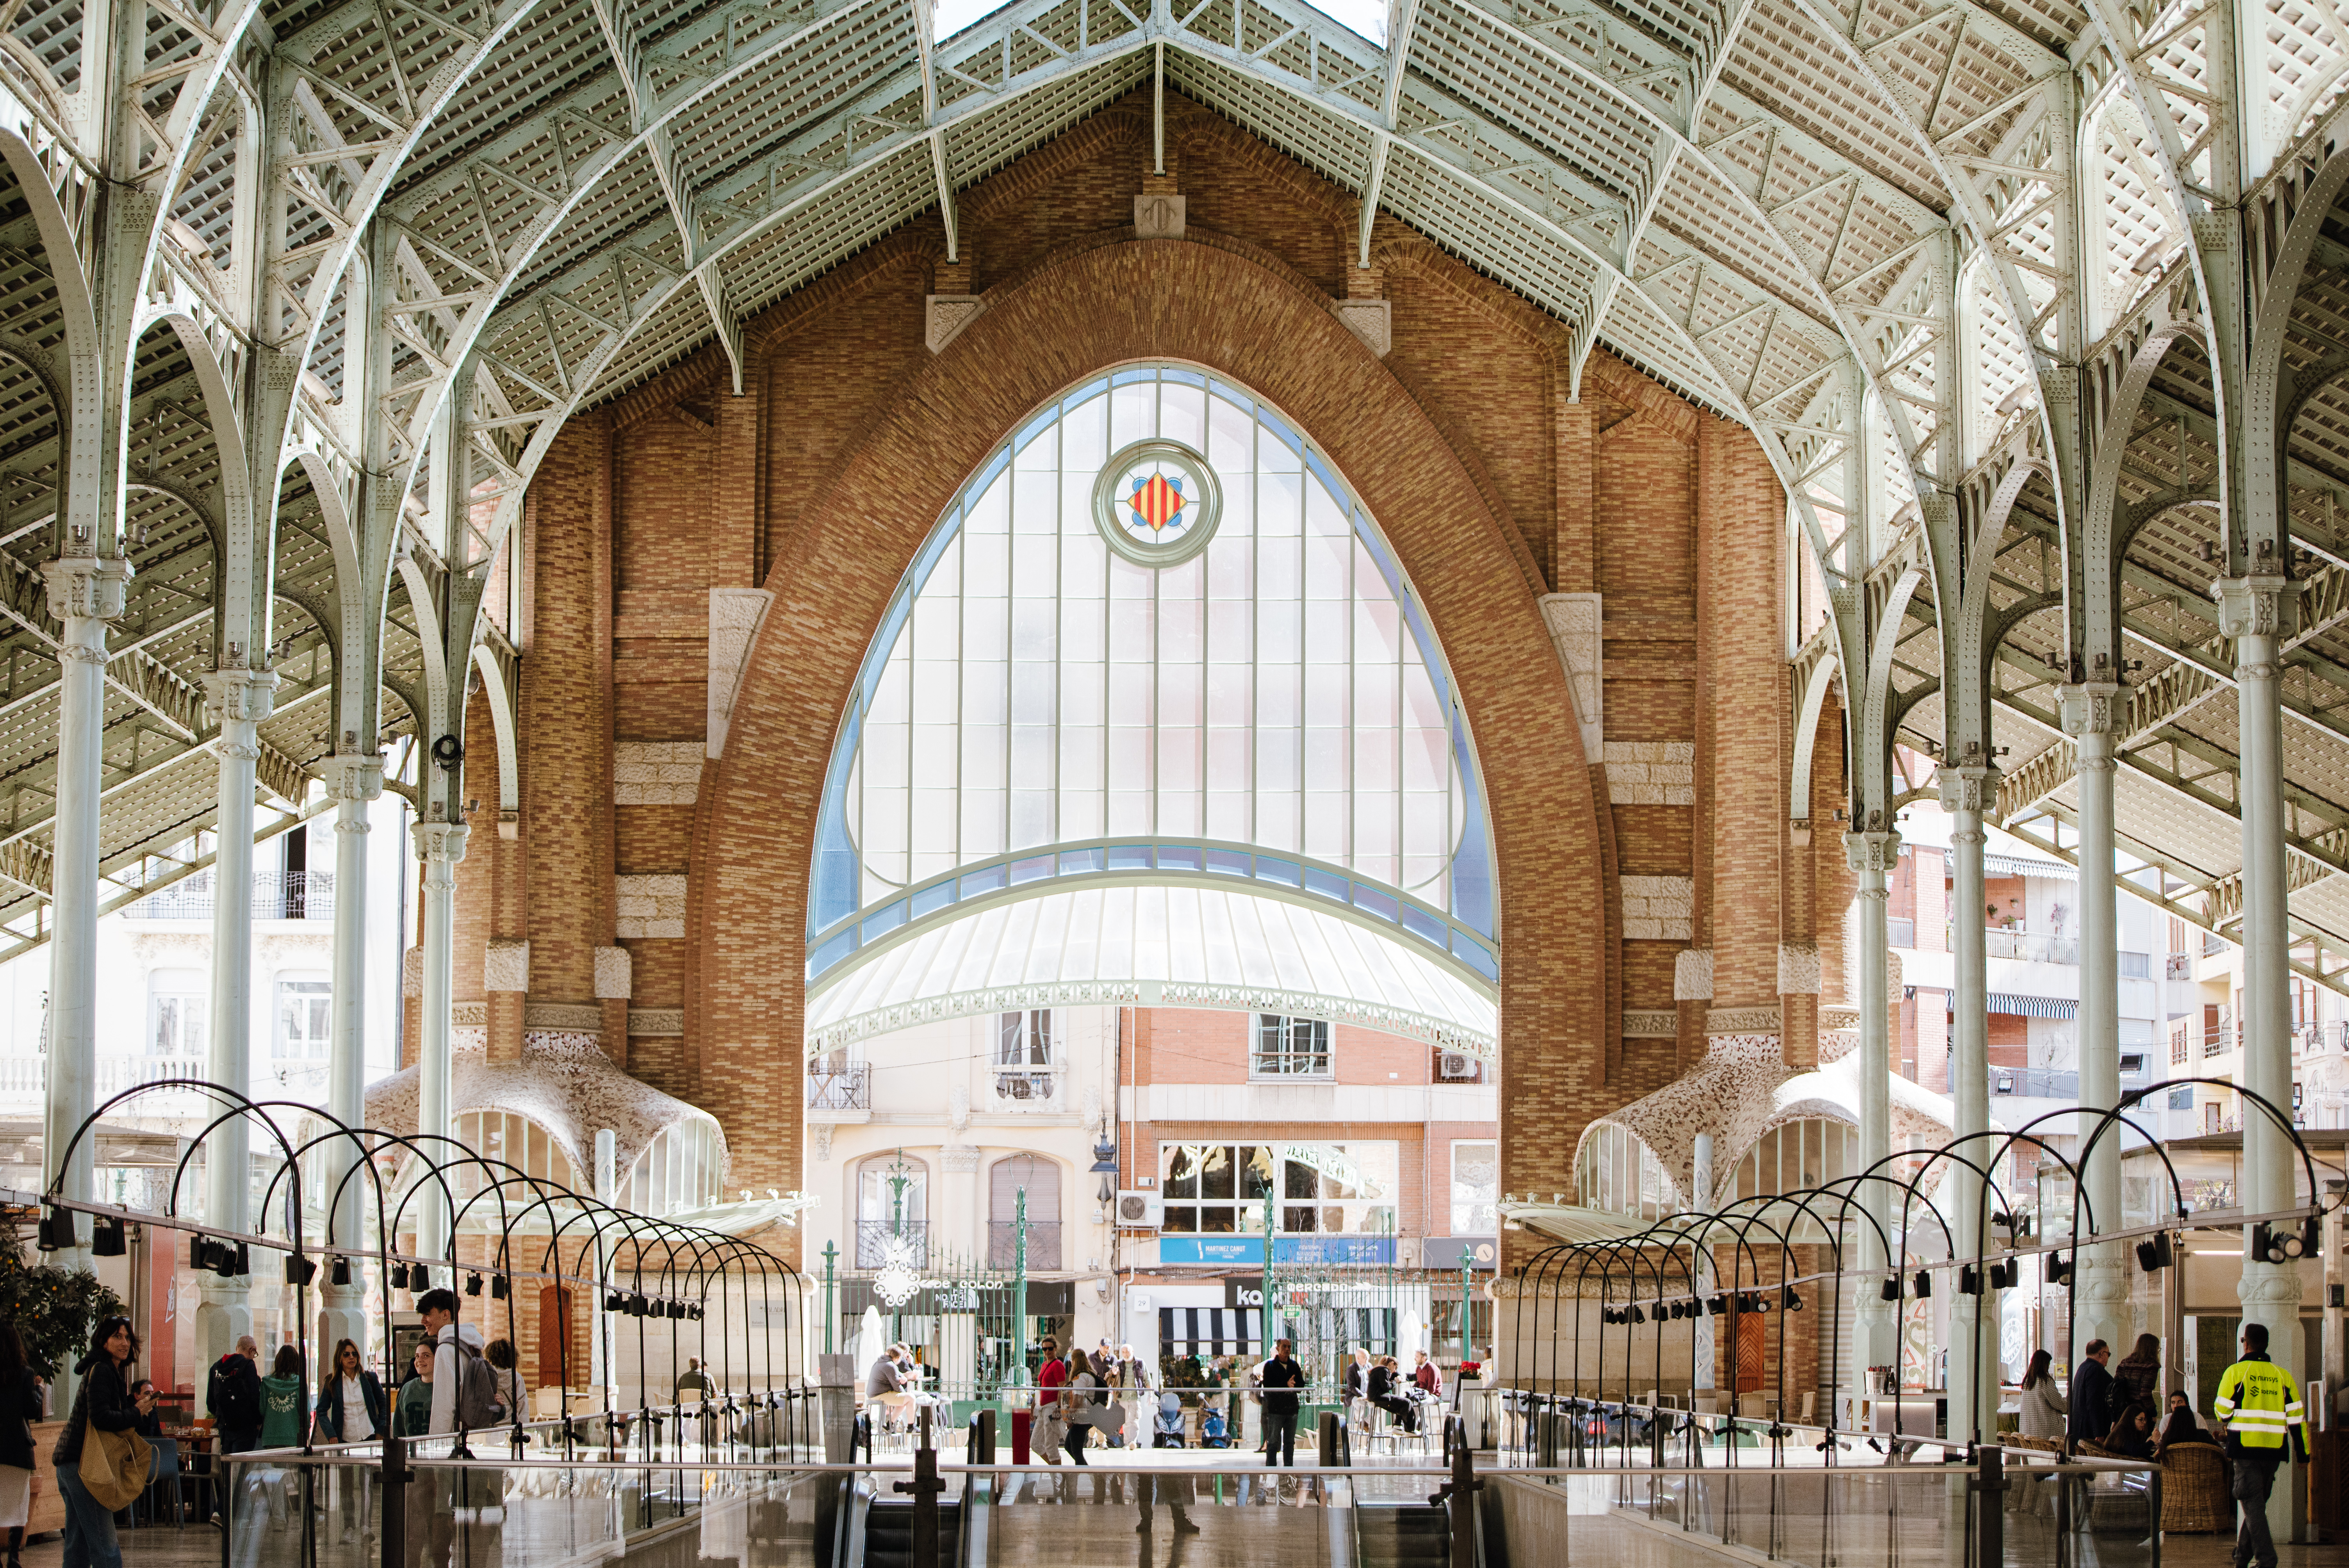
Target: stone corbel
614	974
1693	976
1371	320
505	965
735	615
1574	622
945	315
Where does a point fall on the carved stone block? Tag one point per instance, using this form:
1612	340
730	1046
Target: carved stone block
657	772
1573	620
615	974
1742	1020
734	617
567	1017
945	316
1649	772
650	905
1693	976
1371	320
505	965
1658	909
1651	1026
656	1021
1158	215
1798	969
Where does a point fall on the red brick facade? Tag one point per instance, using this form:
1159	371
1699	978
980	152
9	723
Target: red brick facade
822	479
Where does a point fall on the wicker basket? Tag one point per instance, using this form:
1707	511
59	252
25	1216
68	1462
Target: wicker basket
2195	1493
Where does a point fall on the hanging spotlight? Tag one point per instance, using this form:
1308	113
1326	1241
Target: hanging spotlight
1719	1305
300	1270
2268	1245
2154	1255
224	1260
57	1232
498	1287
2002	1275
1924	1284
339	1271
199	1251
474	1284
398	1278
1638	1315
419	1278
106	1238
616	1301
1970	1281
641	1306
1790	1300
2059	1269
1891	1290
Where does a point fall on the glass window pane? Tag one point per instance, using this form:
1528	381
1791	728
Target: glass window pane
1216	1172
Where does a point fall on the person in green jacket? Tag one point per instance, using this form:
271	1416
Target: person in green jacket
2259	1406
416	1396
285	1402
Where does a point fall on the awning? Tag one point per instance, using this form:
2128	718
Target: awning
1208	1331
2026	1007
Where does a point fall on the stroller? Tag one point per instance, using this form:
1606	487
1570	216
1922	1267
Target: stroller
1167	1430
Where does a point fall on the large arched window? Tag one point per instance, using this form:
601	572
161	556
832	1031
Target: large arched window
1040	1179
1153	636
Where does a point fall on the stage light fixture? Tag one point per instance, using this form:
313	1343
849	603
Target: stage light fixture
1790	1300
499	1289
106	1238
1891	1290
398	1278
474	1284
300	1270
2059	1269
1924	1283
339	1271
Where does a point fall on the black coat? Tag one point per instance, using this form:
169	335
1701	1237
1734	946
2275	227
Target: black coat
20	1406
104	1402
2095	1402
330	1405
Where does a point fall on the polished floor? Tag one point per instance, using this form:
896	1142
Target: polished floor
1217	1514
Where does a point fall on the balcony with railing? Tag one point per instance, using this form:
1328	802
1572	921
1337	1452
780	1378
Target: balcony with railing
872	1238
846	1088
23	1081
2031	946
2218	1042
1043	1245
1028	1088
276	895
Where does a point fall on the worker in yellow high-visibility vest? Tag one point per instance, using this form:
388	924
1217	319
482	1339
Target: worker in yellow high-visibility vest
2259	1406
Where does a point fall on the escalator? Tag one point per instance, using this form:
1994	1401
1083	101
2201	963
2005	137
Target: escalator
1401	1535
889	1533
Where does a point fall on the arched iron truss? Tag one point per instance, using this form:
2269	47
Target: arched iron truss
643	1267
1667	1270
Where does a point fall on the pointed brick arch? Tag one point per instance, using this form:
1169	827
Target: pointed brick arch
1069	317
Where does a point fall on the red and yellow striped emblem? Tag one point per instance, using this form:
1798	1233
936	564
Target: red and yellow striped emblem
1156	502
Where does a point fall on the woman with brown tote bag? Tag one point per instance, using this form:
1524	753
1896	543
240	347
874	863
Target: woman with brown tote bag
99	1471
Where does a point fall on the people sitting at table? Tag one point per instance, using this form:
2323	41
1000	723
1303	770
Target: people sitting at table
2182	1427
2131	1436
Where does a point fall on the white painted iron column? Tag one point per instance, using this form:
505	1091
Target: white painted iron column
355	782
1873	856
241	699
2258	612
1967	792
439	846
85	592
2089	717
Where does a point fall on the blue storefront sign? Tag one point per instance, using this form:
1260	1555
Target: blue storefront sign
1249	1251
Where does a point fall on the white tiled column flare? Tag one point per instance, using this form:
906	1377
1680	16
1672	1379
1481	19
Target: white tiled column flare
1874	856
1966	794
439	846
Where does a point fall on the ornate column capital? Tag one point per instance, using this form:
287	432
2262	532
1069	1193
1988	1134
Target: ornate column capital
2093	708
352	776
1968	787
440	845
1872	851
86	587
2263	604
240	697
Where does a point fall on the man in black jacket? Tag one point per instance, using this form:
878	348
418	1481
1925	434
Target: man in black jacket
233	1398
2095	1397
1281	1373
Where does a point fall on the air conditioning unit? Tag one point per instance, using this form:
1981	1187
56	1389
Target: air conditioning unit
1140	1210
1458	1065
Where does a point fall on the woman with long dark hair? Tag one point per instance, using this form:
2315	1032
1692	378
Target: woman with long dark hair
105	1403
352	1409
20	1406
2044	1409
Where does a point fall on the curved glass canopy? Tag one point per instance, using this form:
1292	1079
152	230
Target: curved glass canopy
1144	946
1155	617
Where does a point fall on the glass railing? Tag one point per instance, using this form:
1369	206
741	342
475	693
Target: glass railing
541	1507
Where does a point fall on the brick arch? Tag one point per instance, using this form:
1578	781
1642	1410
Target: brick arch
1043	332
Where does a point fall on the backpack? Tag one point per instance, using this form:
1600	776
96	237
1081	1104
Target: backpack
478	1404
234	1402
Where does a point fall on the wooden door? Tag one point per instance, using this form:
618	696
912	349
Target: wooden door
553	1337
1753	1330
